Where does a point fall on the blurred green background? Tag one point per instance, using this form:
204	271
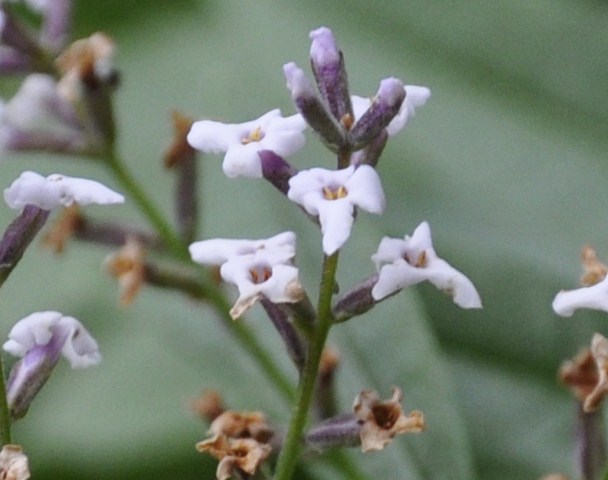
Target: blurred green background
507	162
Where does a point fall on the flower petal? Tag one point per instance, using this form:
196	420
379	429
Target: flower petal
594	297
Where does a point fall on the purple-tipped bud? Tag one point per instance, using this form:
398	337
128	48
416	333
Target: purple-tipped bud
324	50
384	108
312	108
328	66
340	431
356	301
276	170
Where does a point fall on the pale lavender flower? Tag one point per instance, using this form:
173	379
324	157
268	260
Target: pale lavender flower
57	190
405	262
333	196
258	268
243	141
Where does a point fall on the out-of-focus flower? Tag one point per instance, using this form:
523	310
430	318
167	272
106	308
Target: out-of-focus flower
41	339
333	196
39	118
243	141
128	266
402	263
57	190
208	405
382	420
13	463
257	267
63	228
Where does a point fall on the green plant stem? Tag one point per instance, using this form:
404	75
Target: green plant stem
291	448
207	290
164	230
5	414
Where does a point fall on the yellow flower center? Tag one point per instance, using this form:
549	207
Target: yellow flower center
330	193
420	261
254	136
260	274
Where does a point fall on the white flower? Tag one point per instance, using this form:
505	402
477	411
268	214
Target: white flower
259	268
415	96
37	118
243	141
43	328
333	195
402	263
57	190
594	297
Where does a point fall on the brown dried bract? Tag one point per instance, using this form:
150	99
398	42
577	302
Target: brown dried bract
382	420
208	406
594	271
63	229
128	266
587	373
180	149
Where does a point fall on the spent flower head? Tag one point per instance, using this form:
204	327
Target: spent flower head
13	463
405	262
242	142
334	195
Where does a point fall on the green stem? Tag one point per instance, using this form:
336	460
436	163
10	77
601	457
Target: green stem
291	448
164	230
5	414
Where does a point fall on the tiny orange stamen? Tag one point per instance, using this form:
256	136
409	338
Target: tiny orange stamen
260	275
334	193
255	136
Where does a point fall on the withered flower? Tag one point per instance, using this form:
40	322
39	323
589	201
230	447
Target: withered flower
594	271
62	230
13	463
244	454
128	266
382	420
235	424
179	148
587	373
208	405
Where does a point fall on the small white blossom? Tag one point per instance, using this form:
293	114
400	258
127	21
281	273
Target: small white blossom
40	328
333	195
242	141
38	117
415	96
594	297
13	463
402	263
57	190
259	268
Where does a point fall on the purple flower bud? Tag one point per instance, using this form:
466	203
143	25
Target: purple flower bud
276	170
383	109
340	431
328	67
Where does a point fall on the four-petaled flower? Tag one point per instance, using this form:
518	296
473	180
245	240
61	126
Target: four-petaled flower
402	263
259	268
333	195
57	190
242	141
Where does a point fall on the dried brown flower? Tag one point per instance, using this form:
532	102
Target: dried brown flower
382	420
180	148
587	373
208	405
235	424
245	454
